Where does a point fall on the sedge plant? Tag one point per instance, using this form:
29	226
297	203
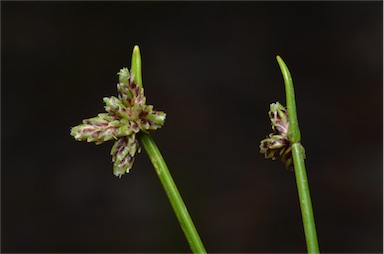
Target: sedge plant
285	141
128	120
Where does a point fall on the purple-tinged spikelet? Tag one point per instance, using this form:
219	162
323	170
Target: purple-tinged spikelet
130	93
99	129
123	152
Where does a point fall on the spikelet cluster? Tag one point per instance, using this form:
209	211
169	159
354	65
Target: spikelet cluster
125	116
277	143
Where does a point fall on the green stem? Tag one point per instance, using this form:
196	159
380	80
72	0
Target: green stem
298	162
162	171
173	194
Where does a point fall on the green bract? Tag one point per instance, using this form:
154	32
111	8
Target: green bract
126	115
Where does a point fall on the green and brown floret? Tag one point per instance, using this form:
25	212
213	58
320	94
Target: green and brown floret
125	116
277	143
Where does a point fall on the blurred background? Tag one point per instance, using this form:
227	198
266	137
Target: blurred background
212	68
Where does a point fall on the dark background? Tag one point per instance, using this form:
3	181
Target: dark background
211	67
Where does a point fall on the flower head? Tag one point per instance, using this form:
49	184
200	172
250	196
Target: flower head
125	116
277	144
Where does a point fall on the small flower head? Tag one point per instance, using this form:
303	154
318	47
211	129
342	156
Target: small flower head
279	118
273	146
125	116
277	143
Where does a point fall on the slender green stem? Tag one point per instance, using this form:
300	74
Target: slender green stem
305	199
173	194
298	162
165	177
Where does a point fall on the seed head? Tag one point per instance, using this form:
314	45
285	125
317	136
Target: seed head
277	143
125	116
